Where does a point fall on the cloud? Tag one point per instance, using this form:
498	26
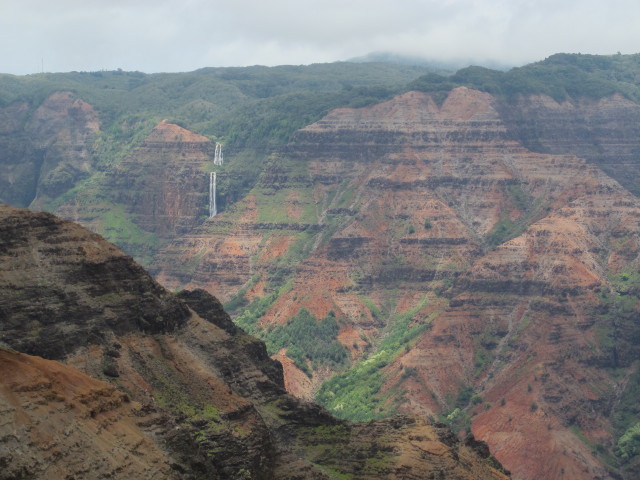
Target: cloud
181	35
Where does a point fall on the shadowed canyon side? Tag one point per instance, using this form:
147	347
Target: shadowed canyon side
154	385
468	277
47	151
604	131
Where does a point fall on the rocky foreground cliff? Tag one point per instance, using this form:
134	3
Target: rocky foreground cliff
139	383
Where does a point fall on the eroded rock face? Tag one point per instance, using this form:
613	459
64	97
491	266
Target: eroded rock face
158	191
604	131
164	183
436	211
526	326
47	151
62	286
203	399
61	423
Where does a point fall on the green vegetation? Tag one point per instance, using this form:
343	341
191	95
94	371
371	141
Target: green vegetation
118	228
628	445
265	123
626	421
308	339
458	420
238	176
506	229
249	317
239	300
197	100
560	76
484	345
465	395
355	393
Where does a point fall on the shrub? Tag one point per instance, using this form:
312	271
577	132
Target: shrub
309	339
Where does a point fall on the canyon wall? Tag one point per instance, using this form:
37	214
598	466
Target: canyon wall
46	150
479	257
170	390
499	271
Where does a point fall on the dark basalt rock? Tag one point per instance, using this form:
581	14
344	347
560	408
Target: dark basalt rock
58	295
210	308
343	248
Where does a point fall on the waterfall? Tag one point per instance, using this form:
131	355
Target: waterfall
212	195
217	159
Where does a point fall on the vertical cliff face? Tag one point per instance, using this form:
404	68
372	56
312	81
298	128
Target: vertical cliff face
164	182
158	191
481	281
48	150
603	131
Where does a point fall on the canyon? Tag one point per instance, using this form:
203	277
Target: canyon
124	379
468	258
500	266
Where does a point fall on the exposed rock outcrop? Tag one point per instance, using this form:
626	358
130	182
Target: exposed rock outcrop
61	423
203	399
62	286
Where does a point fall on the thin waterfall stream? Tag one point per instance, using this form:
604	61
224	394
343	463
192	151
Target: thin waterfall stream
217	157
217	160
213	210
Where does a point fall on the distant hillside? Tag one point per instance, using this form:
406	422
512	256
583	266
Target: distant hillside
443	67
561	76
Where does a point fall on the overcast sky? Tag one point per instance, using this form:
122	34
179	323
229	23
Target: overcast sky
183	35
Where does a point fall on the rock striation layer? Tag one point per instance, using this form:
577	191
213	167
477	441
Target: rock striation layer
501	269
181	394
604	131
